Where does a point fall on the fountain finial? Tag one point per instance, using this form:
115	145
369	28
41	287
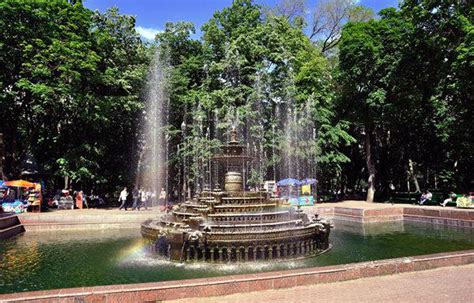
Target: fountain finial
233	135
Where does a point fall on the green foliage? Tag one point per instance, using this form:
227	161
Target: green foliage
70	89
244	69
402	89
405	78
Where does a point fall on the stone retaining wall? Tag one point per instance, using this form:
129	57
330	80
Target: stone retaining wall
80	220
113	219
153	292
443	216
438	215
10	226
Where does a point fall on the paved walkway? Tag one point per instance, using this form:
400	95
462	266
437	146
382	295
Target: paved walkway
448	284
156	211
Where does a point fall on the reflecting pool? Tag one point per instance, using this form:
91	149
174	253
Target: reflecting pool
48	260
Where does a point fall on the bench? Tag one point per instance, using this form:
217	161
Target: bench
439	197
404	197
412	198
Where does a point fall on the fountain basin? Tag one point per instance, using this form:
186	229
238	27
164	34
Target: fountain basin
118	256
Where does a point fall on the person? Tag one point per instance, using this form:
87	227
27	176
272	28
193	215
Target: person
135	197
100	202
162	197
143	199
92	199
84	199
153	198
123	198
426	196
79	199
149	197
175	194
277	192
452	198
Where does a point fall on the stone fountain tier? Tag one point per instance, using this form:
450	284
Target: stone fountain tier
235	225
226	227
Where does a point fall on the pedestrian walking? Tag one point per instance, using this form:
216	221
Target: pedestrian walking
136	198
123	198
143	199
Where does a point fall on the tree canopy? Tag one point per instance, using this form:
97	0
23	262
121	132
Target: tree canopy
362	103
401	81
71	83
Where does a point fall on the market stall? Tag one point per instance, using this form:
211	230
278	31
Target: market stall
297	193
19	195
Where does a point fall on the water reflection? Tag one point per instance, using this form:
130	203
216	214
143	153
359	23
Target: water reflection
46	260
432	231
369	229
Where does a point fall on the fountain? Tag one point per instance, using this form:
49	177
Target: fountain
153	156
235	225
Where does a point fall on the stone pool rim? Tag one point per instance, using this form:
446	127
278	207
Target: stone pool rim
354	211
226	285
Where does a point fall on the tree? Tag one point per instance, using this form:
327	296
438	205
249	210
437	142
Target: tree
330	16
358	56
292	10
444	36
70	88
249	73
397	94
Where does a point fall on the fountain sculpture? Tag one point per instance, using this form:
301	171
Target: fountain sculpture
235	225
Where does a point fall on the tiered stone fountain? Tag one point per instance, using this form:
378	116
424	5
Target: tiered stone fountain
235	225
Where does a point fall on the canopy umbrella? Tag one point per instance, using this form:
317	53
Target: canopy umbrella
289	182
19	183
308	181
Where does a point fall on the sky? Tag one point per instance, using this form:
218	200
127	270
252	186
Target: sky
152	15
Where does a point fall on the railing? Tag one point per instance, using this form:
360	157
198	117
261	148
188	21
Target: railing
273	235
244	218
243	208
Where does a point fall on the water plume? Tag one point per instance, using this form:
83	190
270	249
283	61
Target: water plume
152	167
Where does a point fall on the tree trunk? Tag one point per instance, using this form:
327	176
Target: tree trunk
412	174
138	172
370	164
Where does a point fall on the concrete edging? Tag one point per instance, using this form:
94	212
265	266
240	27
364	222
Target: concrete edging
227	285
439	216
442	216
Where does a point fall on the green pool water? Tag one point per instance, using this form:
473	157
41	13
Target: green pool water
48	260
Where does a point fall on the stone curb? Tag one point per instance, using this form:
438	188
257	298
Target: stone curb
169	290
